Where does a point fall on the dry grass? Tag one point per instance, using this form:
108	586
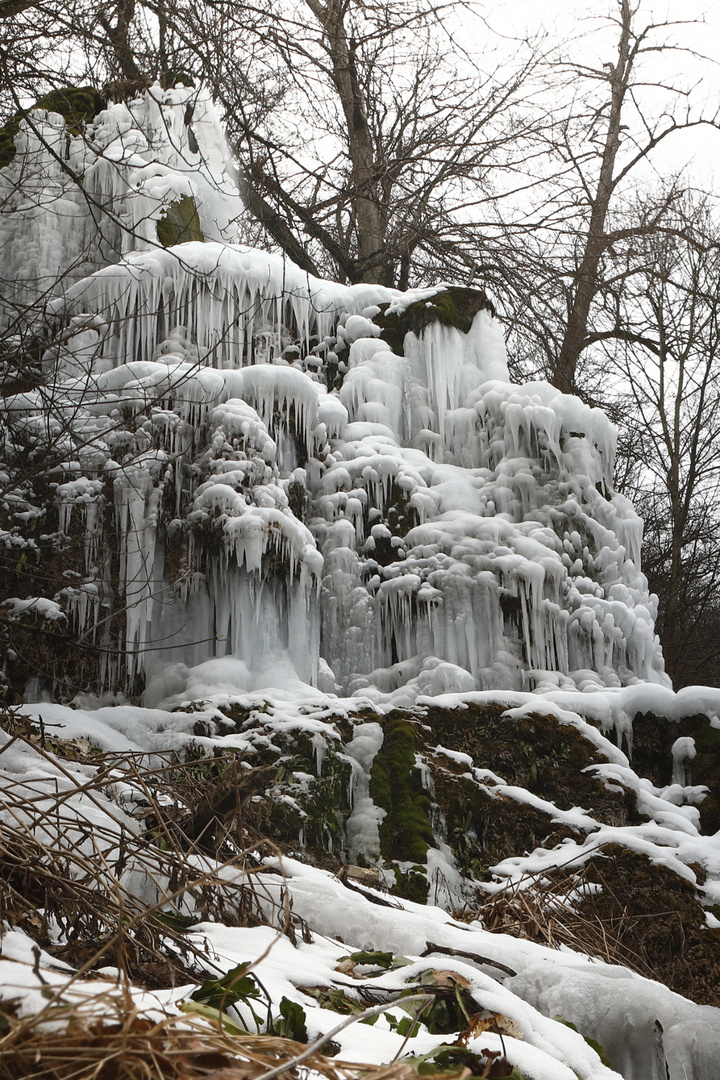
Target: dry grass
95	888
71	861
562	908
70	864
125	1045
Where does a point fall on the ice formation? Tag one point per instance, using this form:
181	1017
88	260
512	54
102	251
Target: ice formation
75	200
271	475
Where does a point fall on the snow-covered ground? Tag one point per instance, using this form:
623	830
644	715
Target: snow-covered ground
525	984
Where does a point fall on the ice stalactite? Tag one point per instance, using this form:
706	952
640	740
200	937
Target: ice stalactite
341	475
75	200
362	827
137	505
498	549
240	306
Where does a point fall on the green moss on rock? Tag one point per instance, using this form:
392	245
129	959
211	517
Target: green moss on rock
482	828
653	737
453	306
536	752
180	223
396	787
303	809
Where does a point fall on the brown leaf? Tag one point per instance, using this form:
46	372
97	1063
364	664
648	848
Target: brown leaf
450	978
491	1021
347	967
497	1065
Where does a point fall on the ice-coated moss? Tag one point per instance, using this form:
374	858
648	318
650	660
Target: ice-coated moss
453	306
180	223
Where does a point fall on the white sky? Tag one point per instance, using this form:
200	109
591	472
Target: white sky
698	29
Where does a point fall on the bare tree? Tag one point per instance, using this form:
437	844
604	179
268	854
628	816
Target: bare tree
665	347
399	137
370	144
601	148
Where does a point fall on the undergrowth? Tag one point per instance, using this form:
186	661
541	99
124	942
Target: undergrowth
107	869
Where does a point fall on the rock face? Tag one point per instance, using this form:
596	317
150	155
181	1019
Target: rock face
525	820
231	459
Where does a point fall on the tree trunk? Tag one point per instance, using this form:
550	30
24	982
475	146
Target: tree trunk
586	279
372	264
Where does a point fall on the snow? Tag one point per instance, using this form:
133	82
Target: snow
610	1004
36	605
361	829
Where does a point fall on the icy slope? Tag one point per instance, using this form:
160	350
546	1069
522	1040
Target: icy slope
641	1025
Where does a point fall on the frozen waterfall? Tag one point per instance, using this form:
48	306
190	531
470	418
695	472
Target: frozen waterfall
252	463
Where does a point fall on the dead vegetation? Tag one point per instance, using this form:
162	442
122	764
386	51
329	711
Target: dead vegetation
126	1045
107	861
76	860
559	909
69	858
620	908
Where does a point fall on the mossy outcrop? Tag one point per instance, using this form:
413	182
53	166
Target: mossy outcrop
179	223
535	752
76	104
430	799
653	738
452	306
396	787
457	781
658	921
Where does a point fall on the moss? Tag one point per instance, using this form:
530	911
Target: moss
396	787
303	809
180	223
454	306
242	717
170	78
483	827
653	737
536	752
659	922
326	801
411	884
76	104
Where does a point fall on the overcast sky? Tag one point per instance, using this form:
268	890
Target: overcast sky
696	27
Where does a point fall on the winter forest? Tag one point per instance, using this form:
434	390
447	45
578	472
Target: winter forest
360	538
